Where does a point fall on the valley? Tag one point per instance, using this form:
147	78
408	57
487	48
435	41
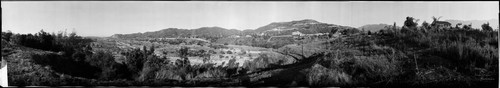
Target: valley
296	53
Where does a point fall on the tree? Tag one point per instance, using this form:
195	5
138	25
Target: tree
151	65
487	27
231	63
106	62
410	23
7	35
135	60
468	26
145	50
363	30
152	49
394	26
425	25
457	25
434	20
232	67
73	36
45	40
183	53
350	31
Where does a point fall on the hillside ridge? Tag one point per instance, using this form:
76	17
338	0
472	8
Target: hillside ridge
307	26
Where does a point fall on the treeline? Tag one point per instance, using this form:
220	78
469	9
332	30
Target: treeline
208	33
176	41
141	66
68	44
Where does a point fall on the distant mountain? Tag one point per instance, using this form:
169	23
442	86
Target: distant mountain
373	27
475	23
205	32
306	26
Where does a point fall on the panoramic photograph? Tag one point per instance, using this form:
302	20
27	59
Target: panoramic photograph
415	44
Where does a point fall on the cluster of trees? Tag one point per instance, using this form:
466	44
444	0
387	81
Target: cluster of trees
416	56
217	46
486	27
68	44
74	57
141	66
350	31
436	25
152	68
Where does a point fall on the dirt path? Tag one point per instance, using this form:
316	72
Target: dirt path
283	75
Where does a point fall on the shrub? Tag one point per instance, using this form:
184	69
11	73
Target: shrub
465	53
321	76
67	65
110	69
151	66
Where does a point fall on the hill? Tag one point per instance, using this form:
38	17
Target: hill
209	33
374	27
306	26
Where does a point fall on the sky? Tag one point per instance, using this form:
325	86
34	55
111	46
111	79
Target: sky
105	18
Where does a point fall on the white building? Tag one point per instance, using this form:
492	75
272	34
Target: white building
297	33
262	34
234	36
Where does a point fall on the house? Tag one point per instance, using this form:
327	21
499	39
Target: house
441	24
262	34
248	36
297	33
234	36
320	34
337	34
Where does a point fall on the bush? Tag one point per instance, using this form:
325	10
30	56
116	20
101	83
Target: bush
52	42
110	69
465	53
67	65
136	58
151	66
321	76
